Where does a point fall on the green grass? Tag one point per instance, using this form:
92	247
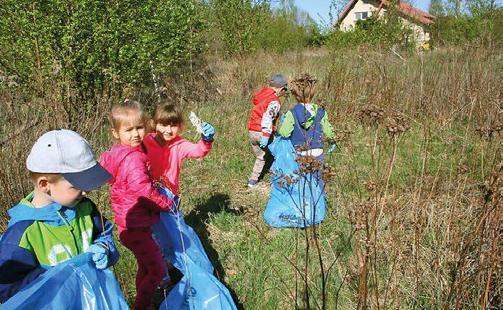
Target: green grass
249	257
422	220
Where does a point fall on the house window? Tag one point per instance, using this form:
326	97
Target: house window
361	15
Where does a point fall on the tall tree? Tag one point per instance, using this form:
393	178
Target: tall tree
477	7
454	7
437	8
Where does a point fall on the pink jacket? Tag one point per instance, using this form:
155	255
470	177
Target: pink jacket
135	201
165	161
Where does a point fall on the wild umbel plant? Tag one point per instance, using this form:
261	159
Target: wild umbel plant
487	132
311	281
303	82
371	115
309	164
396	125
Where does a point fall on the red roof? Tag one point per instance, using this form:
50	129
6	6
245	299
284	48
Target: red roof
403	7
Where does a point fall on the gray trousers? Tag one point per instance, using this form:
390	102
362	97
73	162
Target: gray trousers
263	158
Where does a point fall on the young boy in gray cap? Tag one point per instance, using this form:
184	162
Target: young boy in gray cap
56	221
261	125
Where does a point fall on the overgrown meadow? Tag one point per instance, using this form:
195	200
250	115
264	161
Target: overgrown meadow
415	193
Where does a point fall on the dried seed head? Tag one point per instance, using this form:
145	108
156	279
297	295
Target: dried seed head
396	125
371	115
358	214
370	185
327	173
303	87
281	184
309	164
487	132
288	180
463	169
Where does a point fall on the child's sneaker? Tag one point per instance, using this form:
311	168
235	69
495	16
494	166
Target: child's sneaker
252	184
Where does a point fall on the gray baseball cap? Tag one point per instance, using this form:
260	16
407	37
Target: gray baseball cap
278	80
65	152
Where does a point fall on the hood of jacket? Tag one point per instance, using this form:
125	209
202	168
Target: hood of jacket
51	213
111	160
306	114
264	94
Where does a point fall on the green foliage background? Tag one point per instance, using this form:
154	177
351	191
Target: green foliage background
64	62
376	33
485	28
90	44
95	47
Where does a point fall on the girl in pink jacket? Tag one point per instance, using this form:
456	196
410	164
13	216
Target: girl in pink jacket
166	149
136	203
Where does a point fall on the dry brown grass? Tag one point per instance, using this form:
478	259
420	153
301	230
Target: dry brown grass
417	177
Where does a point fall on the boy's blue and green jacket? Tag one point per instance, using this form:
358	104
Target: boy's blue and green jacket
39	238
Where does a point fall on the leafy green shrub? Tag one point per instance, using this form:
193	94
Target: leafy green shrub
91	45
376	32
250	25
237	22
315	37
280	33
484	28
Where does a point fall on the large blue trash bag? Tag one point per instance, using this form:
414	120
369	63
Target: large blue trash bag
73	284
180	245
198	290
295	201
178	237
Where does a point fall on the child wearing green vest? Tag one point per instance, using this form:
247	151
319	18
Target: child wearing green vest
56	221
307	124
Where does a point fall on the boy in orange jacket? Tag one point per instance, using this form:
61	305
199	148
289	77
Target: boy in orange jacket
261	125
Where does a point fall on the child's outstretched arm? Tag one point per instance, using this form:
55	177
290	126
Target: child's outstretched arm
18	267
195	150
139	182
203	147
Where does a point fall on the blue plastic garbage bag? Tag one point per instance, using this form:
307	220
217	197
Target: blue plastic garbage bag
296	201
180	245
73	284
178	237
198	290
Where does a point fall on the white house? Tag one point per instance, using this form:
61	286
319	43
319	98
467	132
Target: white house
420	21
